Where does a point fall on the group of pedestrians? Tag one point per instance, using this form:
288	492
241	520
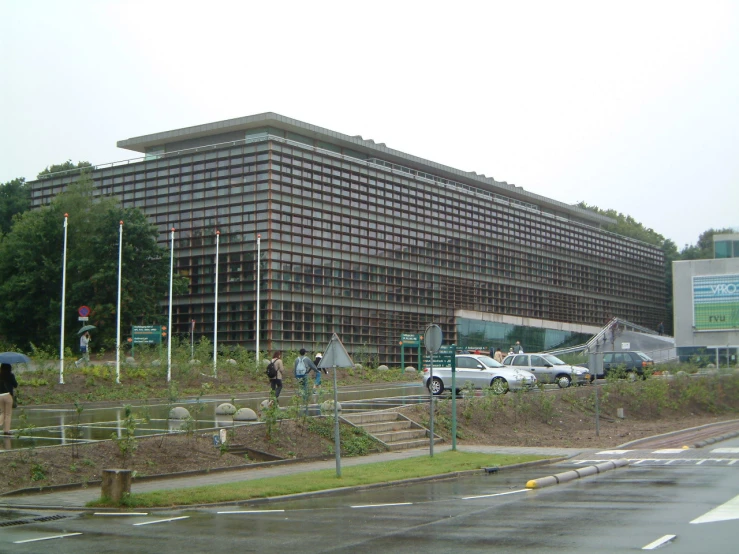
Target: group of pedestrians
498	355
303	366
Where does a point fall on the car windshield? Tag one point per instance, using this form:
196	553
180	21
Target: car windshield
489	362
554	360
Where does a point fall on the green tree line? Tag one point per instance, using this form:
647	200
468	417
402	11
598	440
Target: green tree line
31	251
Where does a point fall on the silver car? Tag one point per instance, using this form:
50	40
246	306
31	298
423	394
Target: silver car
549	369
479	371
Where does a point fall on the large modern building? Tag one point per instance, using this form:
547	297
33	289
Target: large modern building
370	243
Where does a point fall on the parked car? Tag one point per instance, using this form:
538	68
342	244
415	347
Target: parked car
479	371
631	361
549	369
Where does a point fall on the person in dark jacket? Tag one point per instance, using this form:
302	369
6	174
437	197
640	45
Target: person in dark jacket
317	381
8	384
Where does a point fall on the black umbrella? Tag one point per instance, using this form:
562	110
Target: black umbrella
14	358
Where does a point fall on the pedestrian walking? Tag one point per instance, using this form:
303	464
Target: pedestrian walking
303	365
84	349
661	328
8	384
276	376
518	349
498	357
317	380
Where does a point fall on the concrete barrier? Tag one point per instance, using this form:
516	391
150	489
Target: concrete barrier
575	474
115	484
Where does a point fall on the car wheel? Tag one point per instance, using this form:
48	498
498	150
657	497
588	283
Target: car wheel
499	385
564	381
436	387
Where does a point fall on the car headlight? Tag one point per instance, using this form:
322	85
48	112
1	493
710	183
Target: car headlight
580	371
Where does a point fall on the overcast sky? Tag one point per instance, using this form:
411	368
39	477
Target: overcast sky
632	106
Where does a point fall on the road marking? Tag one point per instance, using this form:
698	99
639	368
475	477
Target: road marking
383	505
496	494
659	542
47	538
727	511
726	450
121	514
608	452
162	520
669	451
251	512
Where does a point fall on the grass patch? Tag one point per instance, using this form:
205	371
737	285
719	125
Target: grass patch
365	474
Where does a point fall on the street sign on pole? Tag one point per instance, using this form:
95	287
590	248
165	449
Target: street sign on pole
433	338
335	355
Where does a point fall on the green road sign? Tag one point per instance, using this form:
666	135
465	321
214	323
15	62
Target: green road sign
443	358
408	339
146	334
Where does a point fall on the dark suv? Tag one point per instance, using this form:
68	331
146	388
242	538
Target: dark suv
628	360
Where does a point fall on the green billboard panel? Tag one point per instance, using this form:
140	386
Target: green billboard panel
715	302
146	334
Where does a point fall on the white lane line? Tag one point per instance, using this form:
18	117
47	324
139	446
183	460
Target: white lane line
121	514
727	511
383	505
726	450
732	462
659	542
47	538
700	462
162	520
608	452
669	451
496	494
251	512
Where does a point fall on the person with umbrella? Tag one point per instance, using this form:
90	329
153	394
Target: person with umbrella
84	347
7	385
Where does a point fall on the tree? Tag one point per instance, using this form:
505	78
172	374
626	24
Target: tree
15	198
31	269
66	166
703	249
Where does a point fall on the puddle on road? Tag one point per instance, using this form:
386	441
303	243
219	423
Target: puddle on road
52	425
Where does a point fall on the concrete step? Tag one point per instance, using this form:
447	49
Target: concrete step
371	417
374	428
402	436
411	444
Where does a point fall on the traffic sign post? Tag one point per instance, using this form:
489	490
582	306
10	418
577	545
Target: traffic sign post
432	342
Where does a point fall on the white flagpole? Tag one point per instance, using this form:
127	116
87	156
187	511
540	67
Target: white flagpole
215	315
169	320
259	256
118	323
64	295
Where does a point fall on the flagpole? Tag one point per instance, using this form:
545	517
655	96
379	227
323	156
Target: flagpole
259	256
64	296
169	320
215	315
118	322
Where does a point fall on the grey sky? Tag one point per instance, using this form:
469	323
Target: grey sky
625	105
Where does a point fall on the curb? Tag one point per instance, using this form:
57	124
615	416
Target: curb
711	440
575	474
635	443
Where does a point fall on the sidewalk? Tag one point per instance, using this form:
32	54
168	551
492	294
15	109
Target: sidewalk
76	499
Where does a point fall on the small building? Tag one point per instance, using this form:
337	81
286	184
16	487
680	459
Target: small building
706	305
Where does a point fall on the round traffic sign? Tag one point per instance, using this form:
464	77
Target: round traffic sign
433	338
84	311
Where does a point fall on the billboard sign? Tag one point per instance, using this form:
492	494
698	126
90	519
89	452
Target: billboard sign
715	302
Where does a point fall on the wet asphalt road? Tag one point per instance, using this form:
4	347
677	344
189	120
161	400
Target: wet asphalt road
622	510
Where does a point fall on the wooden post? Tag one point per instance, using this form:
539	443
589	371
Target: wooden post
116	483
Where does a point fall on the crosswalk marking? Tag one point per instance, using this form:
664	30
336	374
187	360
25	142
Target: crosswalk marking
727	511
